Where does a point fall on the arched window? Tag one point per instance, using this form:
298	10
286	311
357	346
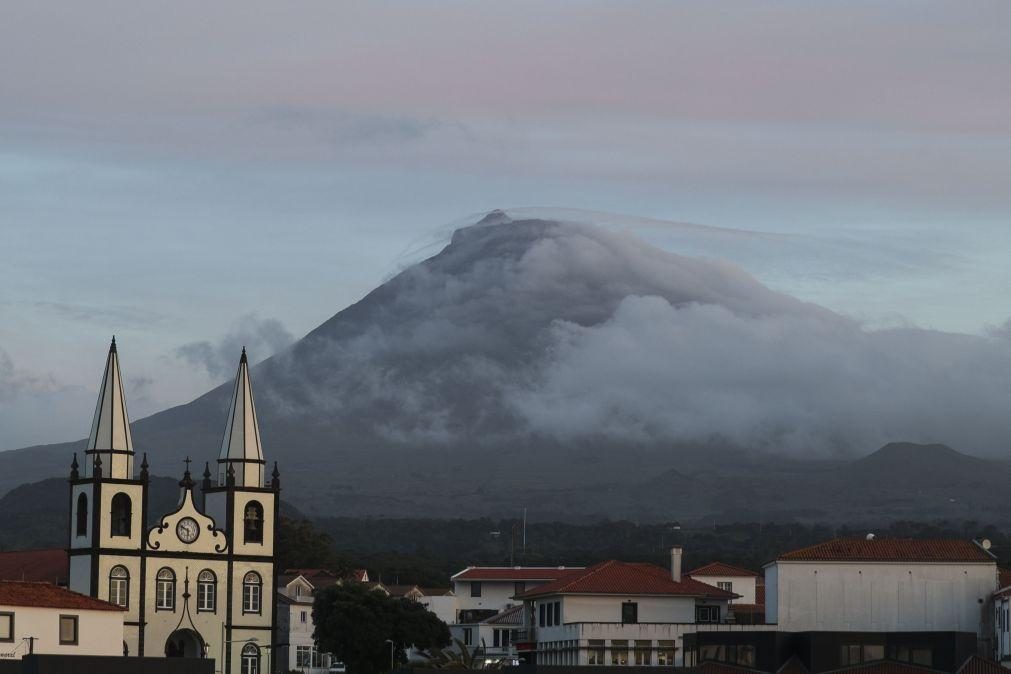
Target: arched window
122	514
207	592
82	515
119	586
165	590
254	523
252	590
250	659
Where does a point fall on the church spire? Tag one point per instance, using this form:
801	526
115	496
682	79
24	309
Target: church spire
110	429
241	450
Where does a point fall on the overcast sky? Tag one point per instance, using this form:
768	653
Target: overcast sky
194	176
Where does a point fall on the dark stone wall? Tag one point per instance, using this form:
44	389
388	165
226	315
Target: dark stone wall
94	664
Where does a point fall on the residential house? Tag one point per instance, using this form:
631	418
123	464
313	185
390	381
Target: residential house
617	613
483	591
749	608
1001	607
41	618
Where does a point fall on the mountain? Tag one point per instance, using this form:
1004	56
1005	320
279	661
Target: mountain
581	373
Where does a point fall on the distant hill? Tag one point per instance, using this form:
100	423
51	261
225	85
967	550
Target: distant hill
517	368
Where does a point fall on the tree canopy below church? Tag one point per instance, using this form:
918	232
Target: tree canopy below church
355	623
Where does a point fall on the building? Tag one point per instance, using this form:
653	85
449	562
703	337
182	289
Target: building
1001	611
49	565
295	625
201	582
617	613
749	608
483	591
37	617
882	585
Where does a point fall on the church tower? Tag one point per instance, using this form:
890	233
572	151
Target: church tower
108	507
247	508
199	581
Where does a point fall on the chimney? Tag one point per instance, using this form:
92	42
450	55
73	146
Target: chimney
675	563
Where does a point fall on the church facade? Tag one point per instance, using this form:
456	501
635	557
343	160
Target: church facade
201	581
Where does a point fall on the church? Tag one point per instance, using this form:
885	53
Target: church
200	582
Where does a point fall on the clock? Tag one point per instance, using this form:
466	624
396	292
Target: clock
187	529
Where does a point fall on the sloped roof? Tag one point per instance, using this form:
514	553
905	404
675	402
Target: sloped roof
710	667
49	565
628	578
510	616
241	441
721	569
891	550
885	667
46	595
1003	577
792	666
977	665
110	427
514	573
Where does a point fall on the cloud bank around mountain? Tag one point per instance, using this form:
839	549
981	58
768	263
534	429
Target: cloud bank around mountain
528	331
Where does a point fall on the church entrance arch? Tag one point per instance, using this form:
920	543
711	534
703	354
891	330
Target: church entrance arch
184	644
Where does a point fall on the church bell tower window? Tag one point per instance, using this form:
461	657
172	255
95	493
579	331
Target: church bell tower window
119	586
122	515
82	515
253	523
252	590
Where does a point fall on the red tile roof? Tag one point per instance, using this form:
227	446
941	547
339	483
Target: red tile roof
892	550
45	595
49	565
721	569
515	573
792	666
747	608
614	577
885	667
977	665
1003	577
760	594
710	667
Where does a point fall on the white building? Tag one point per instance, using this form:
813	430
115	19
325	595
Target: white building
749	607
617	613
882	585
42	618
201	582
295	626
487	590
1001	607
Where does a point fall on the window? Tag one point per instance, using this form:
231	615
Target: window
122	514
82	515
252	588
475	588
253	520
746	655
519	587
303	656
619	652
725	585
207	592
849	654
923	656
874	652
468	636
595	652
303	617
501	638
643	652
119	586
165	590
541	610
68	630
629	613
557	613
250	660
298	591
665	653
6	627
707	614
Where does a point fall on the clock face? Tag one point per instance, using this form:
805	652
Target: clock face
187	529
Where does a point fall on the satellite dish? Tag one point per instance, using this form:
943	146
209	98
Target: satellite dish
986	544
870	537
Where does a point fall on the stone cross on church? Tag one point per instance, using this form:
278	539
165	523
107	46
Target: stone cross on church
201	581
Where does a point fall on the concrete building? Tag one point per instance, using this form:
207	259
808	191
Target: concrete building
617	613
483	591
749	607
882	585
38	618
200	583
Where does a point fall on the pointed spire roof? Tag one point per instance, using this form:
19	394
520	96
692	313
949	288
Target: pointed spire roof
242	433
110	428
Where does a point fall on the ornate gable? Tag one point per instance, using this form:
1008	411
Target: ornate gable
187	530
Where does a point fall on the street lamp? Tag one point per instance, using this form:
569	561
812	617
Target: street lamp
392	663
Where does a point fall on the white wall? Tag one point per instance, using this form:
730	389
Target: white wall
607	609
98	632
444	607
495	595
744	586
879	596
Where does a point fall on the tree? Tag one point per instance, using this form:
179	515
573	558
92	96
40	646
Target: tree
300	545
354	622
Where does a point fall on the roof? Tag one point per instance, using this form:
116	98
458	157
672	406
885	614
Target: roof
510	616
891	550
721	569
514	573
110	427
1003	577
404	590
886	667
747	608
241	441
977	665
49	565
760	594
47	595
710	667
635	578
792	666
